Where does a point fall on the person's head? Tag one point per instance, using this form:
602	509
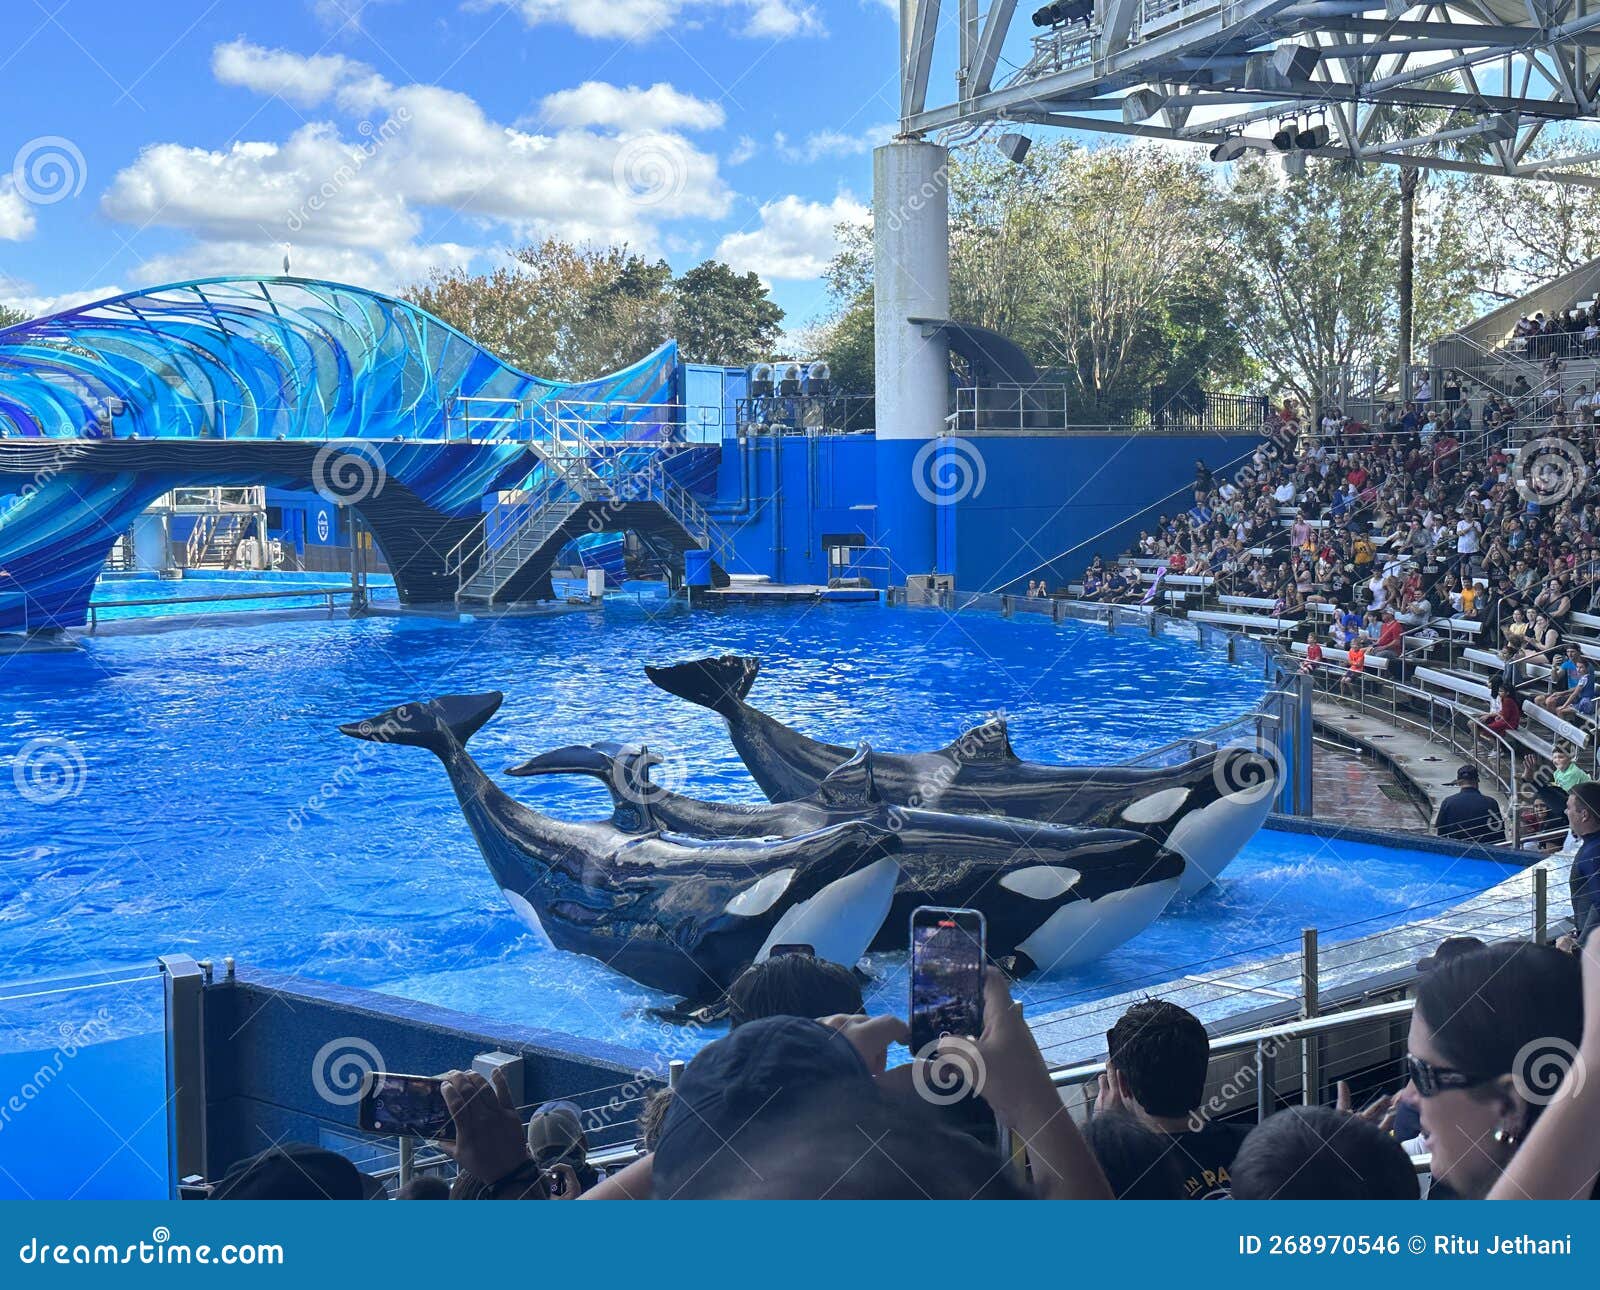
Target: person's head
1492	1036
1466	777
1451	947
652	1115
295	1171
1583	808
556	1137
792	985
1158	1053
1559	758
785	1108
1317	1153
1137	1163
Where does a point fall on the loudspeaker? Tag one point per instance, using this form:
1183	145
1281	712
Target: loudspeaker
1014	147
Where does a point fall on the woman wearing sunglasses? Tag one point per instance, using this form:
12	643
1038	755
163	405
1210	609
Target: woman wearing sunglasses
1492	1039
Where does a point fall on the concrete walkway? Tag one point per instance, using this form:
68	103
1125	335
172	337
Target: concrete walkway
1426	765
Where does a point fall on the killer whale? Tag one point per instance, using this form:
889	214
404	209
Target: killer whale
1053	897
680	915
1205	809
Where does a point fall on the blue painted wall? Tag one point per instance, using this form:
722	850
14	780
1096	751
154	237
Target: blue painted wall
992	511
1086	495
778	495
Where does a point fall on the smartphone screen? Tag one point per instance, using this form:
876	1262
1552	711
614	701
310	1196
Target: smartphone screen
946	975
411	1106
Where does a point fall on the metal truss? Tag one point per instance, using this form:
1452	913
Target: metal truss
1466	86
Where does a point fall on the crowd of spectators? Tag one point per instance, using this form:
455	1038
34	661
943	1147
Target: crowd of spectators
1367	539
799	1103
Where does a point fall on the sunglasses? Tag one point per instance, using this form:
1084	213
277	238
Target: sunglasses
1432	1080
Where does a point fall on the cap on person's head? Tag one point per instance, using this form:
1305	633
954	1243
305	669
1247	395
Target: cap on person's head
739	1086
1466	775
1588	795
296	1171
555	1135
1449	948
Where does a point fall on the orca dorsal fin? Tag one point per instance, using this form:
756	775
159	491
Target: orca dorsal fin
850	783
986	744
632	792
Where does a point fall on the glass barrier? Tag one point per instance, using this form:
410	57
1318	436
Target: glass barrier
83	1087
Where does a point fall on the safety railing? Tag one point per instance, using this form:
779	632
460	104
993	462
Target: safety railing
1307	977
325	594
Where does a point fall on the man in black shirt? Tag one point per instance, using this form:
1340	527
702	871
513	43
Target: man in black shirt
1470	815
1156	1072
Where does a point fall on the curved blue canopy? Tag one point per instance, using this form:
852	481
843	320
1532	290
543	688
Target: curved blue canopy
278	358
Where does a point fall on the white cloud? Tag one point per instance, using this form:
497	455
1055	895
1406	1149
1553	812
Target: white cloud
16	216
640	19
795	238
743	151
23	296
301	80
832	143
661	107
382	269
355	202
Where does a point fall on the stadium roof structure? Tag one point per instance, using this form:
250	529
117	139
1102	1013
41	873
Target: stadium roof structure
1232	73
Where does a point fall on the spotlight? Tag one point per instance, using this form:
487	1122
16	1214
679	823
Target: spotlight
1141	105
1311	138
1014	147
1063	12
1230	149
1284	139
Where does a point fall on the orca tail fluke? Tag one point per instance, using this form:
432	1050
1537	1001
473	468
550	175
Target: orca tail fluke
432	725
716	683
598	760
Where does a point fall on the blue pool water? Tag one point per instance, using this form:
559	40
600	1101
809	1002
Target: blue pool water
215	810
208	806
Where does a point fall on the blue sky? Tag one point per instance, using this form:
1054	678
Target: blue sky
380	138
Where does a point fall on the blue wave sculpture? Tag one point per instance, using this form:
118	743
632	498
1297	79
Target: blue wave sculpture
237	381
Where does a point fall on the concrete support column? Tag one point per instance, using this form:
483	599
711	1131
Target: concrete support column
152	553
911	255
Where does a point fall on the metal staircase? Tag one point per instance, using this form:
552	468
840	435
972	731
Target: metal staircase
592	485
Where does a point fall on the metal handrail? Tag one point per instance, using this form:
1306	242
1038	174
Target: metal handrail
323	593
1286	1032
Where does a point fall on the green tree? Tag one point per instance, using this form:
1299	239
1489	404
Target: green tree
572	313
1533	232
720	316
1103	265
1320	257
10	317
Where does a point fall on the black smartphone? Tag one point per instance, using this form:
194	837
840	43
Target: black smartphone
946	975
778	951
410	1106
